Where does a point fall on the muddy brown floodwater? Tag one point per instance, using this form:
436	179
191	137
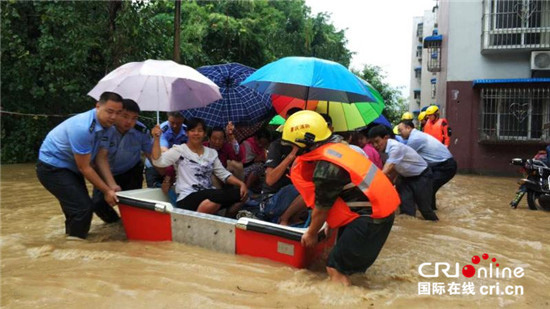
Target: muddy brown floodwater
40	269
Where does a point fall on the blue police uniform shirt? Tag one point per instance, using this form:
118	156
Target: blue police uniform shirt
80	134
169	138
407	162
428	147
125	150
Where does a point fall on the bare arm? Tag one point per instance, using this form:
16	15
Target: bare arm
104	170
272	175
229	129
155	151
83	164
389	169
232	180
318	218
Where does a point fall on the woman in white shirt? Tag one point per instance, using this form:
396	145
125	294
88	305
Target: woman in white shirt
195	165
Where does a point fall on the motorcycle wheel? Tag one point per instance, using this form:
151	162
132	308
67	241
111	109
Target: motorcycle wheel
533	201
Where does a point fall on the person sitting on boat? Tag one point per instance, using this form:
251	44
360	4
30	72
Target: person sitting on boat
195	165
227	146
343	188
279	202
173	133
253	156
123	150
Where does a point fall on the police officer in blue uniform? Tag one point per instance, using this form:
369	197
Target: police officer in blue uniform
173	133
123	150
65	160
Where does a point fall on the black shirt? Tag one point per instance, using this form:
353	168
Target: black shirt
276	153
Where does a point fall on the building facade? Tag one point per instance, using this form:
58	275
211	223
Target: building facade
421	89
493	80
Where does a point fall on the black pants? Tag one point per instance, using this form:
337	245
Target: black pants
417	190
358	245
129	180
442	173
226	197
70	189
153	178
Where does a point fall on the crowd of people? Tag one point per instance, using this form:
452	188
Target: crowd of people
353	181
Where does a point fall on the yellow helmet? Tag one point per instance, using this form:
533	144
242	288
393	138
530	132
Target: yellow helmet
421	116
396	130
304	128
432	110
407	116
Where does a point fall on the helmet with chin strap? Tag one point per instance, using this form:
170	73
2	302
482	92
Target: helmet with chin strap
305	128
432	110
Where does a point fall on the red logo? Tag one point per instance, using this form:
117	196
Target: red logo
469	270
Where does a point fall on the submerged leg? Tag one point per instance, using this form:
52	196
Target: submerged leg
337	276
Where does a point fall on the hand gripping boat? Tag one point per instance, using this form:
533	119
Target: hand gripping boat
148	215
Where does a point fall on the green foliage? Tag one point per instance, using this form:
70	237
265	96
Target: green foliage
395	104
54	52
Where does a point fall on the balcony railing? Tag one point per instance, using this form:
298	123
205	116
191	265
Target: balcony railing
515	25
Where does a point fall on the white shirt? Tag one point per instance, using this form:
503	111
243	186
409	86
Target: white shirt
407	162
194	170
428	147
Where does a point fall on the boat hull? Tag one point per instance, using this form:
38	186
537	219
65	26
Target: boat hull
148	215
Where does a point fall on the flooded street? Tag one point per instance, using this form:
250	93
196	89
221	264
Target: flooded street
40	269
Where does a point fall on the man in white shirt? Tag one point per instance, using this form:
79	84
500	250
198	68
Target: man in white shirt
415	181
437	155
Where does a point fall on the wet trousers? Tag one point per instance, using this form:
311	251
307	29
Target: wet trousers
358	245
70	190
442	173
417	190
129	180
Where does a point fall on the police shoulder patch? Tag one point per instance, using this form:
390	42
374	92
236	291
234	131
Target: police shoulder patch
92	127
164	128
141	128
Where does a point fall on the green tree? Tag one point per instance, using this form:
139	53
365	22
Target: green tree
395	104
54	52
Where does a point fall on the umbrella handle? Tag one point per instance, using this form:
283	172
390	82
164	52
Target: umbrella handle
158	118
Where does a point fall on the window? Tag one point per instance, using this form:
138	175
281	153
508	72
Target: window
515	114
417	94
419	52
434	59
516	24
418	72
419	29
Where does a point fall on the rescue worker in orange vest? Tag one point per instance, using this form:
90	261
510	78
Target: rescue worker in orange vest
343	188
422	121
437	127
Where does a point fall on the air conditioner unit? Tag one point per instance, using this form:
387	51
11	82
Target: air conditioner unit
540	60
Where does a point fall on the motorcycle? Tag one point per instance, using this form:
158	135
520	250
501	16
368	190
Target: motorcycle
535	184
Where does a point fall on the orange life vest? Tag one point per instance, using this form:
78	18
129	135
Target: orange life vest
439	130
363	173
